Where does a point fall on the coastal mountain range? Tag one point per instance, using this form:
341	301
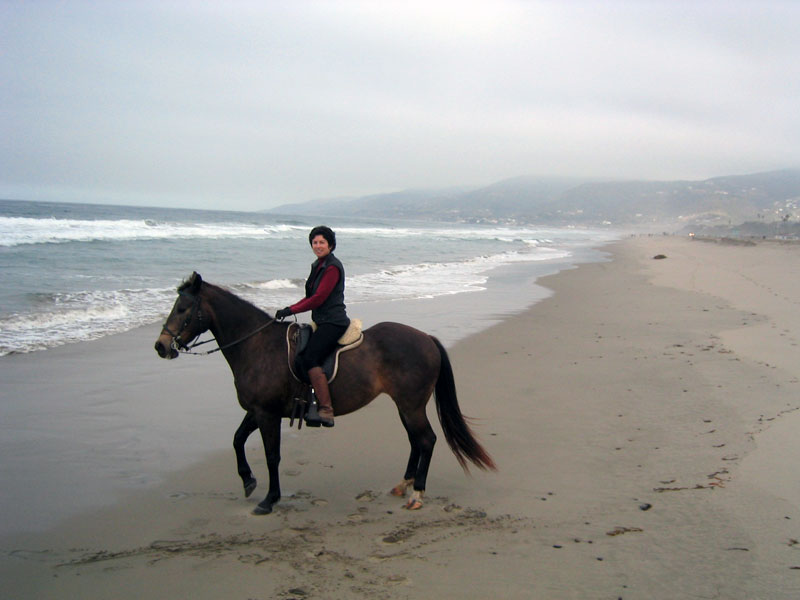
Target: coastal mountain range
768	197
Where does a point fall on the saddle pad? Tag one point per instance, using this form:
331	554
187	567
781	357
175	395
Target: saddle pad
351	335
297	337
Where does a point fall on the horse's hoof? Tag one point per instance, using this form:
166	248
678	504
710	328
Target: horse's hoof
413	504
262	509
249	486
401	488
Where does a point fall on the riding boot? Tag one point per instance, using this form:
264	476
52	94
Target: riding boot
320	384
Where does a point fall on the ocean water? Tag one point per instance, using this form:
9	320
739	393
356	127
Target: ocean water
77	272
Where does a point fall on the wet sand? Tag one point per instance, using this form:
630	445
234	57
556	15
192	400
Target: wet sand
643	419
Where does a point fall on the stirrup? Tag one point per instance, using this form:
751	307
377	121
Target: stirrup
313	418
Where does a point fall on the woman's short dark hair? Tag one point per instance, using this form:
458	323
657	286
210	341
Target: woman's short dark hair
325	232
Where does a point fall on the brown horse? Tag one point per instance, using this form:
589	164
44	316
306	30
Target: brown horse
395	359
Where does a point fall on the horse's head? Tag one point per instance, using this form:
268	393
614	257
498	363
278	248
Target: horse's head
185	322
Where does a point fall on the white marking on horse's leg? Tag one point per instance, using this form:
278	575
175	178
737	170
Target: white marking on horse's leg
415	502
401	488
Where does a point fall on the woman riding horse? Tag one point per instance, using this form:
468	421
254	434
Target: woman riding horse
325	299
394	359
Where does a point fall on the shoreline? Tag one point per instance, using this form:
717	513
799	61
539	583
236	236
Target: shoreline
641	417
114	408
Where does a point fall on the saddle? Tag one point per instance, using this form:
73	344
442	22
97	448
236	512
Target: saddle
297	337
304	405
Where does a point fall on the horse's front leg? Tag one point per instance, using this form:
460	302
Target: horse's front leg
248	426
270	427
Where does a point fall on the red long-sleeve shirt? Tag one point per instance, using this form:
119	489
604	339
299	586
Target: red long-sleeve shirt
329	280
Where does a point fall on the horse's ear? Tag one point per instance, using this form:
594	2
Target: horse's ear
195	281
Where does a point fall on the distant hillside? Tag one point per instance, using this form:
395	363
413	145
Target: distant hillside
720	201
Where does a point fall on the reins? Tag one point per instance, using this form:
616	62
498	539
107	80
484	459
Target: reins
190	347
179	346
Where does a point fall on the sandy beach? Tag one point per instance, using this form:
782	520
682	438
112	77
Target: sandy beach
644	420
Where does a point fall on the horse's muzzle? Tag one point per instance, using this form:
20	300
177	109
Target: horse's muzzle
164	348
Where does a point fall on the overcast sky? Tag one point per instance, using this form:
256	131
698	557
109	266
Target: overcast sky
247	105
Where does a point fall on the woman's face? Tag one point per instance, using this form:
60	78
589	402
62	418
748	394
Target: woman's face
320	246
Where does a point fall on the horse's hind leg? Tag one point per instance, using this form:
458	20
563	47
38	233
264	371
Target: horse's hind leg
411	469
422	440
247	427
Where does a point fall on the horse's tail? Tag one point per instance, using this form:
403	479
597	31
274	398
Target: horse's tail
456	430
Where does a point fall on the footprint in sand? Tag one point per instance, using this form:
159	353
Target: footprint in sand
192	526
116	568
397	537
366	496
359	516
33	555
379	558
319	502
392	539
179	495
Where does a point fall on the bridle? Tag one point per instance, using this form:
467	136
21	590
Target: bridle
196	313
177	344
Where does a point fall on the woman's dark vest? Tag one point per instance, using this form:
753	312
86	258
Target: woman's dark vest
333	309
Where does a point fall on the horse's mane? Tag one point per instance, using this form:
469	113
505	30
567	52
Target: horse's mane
227	294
